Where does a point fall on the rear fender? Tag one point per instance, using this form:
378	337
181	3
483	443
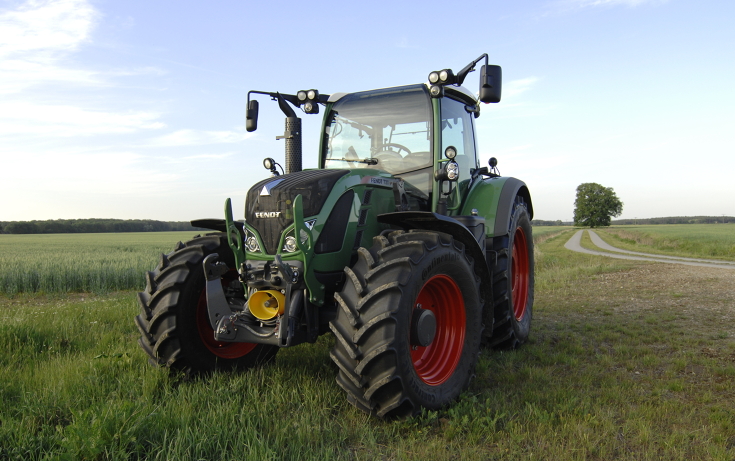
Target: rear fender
513	187
493	198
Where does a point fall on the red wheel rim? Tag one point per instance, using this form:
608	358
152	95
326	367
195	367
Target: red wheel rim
519	268
224	350
436	362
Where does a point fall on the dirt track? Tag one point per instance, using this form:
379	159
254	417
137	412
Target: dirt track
697	288
575	245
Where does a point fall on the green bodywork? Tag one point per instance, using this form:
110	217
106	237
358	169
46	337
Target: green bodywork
382	202
480	197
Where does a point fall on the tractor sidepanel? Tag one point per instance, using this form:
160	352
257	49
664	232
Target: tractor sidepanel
493	199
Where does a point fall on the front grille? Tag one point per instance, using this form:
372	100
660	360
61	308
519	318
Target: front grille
269	202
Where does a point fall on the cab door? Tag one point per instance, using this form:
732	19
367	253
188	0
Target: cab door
457	129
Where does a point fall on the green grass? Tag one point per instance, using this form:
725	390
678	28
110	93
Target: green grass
99	263
616	368
546	230
96	263
713	241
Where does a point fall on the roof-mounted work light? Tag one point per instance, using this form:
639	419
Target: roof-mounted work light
309	101
438	79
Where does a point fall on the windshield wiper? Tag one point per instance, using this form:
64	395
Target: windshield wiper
369	161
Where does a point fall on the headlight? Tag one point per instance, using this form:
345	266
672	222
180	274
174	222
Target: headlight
433	77
301	95
289	244
450	152
251	243
311	94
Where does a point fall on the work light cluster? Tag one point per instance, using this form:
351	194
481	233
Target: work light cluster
438	79
308	99
451	168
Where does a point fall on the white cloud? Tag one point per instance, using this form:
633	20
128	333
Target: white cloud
35	38
515	88
98	172
19	118
209	156
596	3
45	26
197	138
403	42
513	104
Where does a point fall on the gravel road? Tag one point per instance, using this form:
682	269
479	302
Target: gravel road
610	251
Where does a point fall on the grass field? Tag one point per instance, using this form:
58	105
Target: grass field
714	241
546	230
626	361
98	263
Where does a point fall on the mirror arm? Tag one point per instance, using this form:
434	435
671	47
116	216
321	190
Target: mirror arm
462	74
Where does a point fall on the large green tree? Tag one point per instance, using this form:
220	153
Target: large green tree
595	205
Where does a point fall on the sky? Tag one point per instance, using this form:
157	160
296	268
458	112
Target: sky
136	109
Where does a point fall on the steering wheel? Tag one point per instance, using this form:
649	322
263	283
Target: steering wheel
380	149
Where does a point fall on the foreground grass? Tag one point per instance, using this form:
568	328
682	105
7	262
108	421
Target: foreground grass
614	370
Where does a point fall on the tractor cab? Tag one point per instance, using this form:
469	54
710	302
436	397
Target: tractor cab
404	132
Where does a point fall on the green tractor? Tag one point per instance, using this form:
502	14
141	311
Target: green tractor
399	244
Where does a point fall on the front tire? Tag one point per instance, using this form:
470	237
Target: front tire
174	324
383	366
513	281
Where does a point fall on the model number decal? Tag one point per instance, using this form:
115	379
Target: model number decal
378	181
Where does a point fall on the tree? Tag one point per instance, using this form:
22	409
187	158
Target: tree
595	205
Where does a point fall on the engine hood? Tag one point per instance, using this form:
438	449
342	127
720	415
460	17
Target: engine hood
268	204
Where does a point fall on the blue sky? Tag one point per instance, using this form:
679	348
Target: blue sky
136	110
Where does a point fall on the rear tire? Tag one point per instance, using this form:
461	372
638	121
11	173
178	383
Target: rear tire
174	324
513	281
382	367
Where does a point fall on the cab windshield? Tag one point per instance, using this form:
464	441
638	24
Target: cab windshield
388	130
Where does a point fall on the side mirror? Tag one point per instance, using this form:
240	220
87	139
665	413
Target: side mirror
491	83
251	116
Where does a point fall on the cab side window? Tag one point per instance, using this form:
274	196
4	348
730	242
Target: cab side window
457	131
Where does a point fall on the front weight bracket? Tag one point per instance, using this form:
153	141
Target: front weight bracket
217	306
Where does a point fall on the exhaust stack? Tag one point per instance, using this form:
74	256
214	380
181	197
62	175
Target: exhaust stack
292	135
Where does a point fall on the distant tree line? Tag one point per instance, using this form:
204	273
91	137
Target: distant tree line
84	226
649	221
558	222
678	220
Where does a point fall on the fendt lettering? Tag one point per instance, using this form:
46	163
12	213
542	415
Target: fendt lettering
267	214
400	244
